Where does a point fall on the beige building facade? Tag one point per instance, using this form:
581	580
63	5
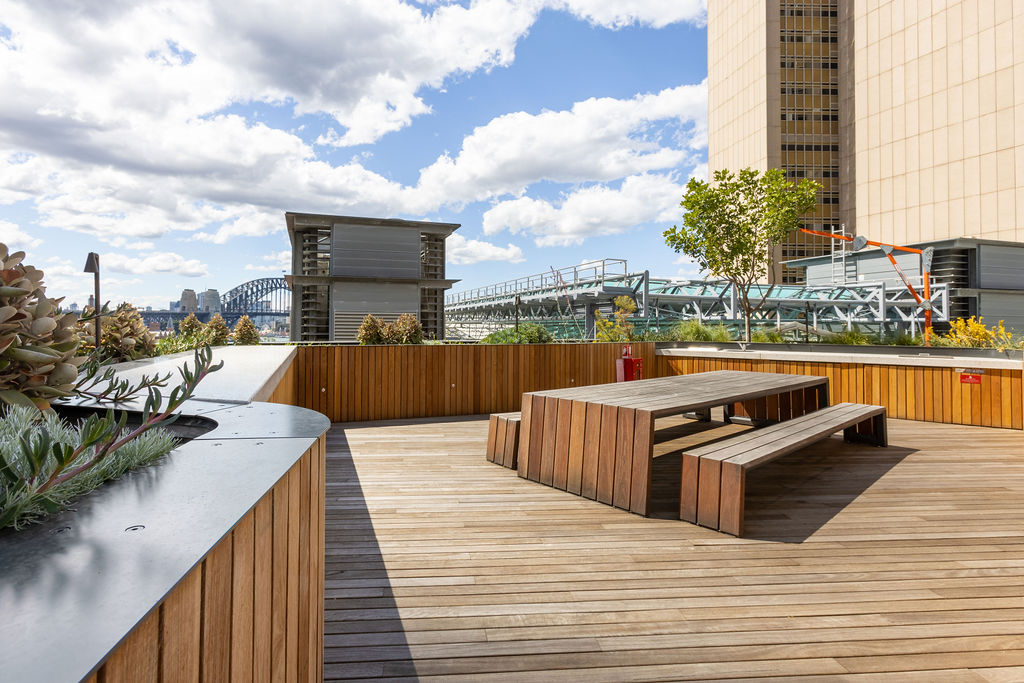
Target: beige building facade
910	113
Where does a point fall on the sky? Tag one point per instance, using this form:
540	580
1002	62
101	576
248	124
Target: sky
171	137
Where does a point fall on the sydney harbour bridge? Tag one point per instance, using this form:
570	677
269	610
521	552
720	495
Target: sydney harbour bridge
265	300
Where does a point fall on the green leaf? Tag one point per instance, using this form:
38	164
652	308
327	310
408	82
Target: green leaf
16	398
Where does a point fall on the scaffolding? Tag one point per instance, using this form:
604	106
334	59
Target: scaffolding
661	302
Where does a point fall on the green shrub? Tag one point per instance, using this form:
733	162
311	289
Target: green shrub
767	337
185	342
220	330
694	330
529	333
190	325
852	337
617	328
650	334
406	329
245	333
907	339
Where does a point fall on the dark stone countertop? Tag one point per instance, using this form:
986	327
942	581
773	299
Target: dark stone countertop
72	587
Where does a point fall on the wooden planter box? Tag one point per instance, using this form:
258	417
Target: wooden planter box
206	566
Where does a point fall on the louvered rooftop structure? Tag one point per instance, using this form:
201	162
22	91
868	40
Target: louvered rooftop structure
346	267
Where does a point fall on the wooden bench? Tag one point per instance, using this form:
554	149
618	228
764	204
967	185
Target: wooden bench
714	476
503	439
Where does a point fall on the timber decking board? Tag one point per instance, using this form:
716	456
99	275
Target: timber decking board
906	561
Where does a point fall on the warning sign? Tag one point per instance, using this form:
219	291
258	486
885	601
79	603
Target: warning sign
970	379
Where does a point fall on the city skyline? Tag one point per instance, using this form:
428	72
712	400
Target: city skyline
554	131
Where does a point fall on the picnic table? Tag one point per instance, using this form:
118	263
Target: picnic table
598	441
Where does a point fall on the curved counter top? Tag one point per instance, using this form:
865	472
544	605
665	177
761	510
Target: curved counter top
74	586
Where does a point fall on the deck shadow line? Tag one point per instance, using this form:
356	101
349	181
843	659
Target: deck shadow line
357	646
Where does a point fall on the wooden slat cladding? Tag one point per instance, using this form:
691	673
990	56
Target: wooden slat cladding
354	383
287	389
929	394
222	621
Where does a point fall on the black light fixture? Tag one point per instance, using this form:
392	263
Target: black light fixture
92	265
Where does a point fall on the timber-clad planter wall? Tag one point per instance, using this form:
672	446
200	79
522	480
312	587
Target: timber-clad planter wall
352	383
252	609
930	393
206	566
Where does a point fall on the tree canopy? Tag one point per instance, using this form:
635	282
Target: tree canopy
731	226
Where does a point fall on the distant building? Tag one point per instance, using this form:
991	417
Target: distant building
209	301
188	303
985	277
73	308
174	306
92	302
344	268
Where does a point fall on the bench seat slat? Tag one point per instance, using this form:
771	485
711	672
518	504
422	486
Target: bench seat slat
714	476
768	437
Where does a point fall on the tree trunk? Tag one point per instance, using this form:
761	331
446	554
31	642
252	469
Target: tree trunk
746	326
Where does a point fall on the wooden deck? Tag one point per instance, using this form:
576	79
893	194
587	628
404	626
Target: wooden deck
858	563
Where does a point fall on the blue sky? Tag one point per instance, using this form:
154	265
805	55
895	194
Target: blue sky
172	136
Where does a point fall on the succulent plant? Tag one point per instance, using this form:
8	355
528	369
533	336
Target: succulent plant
190	325
123	334
38	342
245	333
221	333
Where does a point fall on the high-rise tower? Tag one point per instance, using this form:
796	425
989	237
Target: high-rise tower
910	114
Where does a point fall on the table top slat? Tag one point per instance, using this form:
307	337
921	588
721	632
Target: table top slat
683	393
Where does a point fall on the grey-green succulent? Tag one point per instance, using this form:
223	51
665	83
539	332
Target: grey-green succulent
37	341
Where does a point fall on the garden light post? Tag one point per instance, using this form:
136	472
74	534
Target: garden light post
92	265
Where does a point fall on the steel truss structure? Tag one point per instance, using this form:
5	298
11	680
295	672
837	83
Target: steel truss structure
269	296
565	300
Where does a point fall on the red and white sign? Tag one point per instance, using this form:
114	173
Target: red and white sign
970	379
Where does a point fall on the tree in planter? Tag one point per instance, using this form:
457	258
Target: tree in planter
245	333
189	326
221	333
732	226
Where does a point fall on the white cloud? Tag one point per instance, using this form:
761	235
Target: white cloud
656	13
153	263
599	139
276	262
250	224
124	133
464	251
589	212
17	239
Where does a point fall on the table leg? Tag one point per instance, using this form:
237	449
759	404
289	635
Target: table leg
643	453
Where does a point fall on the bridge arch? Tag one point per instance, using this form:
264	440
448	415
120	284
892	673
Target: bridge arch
263	296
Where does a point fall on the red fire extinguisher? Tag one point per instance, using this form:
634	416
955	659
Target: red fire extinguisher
628	368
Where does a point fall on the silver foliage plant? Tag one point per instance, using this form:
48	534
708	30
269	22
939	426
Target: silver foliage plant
32	445
45	462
